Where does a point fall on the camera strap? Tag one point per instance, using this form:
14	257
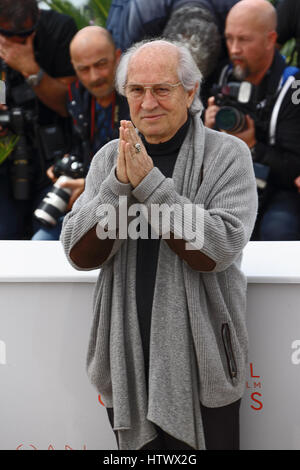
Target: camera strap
114	115
271	105
276	108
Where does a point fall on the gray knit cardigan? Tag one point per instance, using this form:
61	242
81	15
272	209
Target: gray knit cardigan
198	342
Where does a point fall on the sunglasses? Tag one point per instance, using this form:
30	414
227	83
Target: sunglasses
22	34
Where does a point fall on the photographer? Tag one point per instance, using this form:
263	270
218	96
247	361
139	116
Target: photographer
272	120
96	110
35	64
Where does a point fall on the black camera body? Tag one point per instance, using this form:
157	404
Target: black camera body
36	144
236	99
69	165
16	120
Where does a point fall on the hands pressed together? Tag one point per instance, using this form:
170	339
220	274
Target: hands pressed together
132	165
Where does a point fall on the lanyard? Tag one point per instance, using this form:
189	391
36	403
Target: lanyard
114	114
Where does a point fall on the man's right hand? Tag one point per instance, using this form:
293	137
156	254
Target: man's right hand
210	113
51	175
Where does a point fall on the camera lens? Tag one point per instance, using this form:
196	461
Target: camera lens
230	119
54	204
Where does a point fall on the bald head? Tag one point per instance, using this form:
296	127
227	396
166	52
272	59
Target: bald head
95	58
259	13
250	34
89	38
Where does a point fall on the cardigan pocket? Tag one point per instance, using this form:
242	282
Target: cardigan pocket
231	362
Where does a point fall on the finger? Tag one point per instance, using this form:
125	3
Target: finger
132	138
129	155
121	165
121	156
30	39
250	121
123	123
121	137
77	184
134	135
211	101
125	128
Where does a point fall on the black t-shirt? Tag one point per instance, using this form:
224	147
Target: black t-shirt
51	46
288	22
164	157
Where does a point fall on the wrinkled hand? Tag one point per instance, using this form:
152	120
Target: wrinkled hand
121	163
77	187
210	113
132	166
248	135
297	183
19	57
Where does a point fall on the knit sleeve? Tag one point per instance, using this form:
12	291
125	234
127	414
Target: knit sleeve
102	190
220	225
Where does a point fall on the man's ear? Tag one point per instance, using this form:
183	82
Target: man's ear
272	36
118	54
191	94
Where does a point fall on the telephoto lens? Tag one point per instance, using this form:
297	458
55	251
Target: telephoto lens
230	119
55	203
21	171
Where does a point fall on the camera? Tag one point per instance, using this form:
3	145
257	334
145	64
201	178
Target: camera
235	100
55	203
15	120
36	143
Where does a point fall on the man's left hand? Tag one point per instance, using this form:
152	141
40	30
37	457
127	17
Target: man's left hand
19	57
77	186
138	164
248	135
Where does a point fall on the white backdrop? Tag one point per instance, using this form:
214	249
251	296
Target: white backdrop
46	400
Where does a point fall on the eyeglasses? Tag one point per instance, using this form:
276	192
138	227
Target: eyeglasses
160	91
22	34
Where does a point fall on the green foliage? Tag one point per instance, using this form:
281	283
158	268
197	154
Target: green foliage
93	12
7	145
289	52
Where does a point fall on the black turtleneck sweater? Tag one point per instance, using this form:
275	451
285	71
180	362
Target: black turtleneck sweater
164	157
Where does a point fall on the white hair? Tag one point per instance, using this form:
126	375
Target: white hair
187	71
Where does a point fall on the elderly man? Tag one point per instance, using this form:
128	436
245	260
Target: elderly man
94	105
168	345
272	127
